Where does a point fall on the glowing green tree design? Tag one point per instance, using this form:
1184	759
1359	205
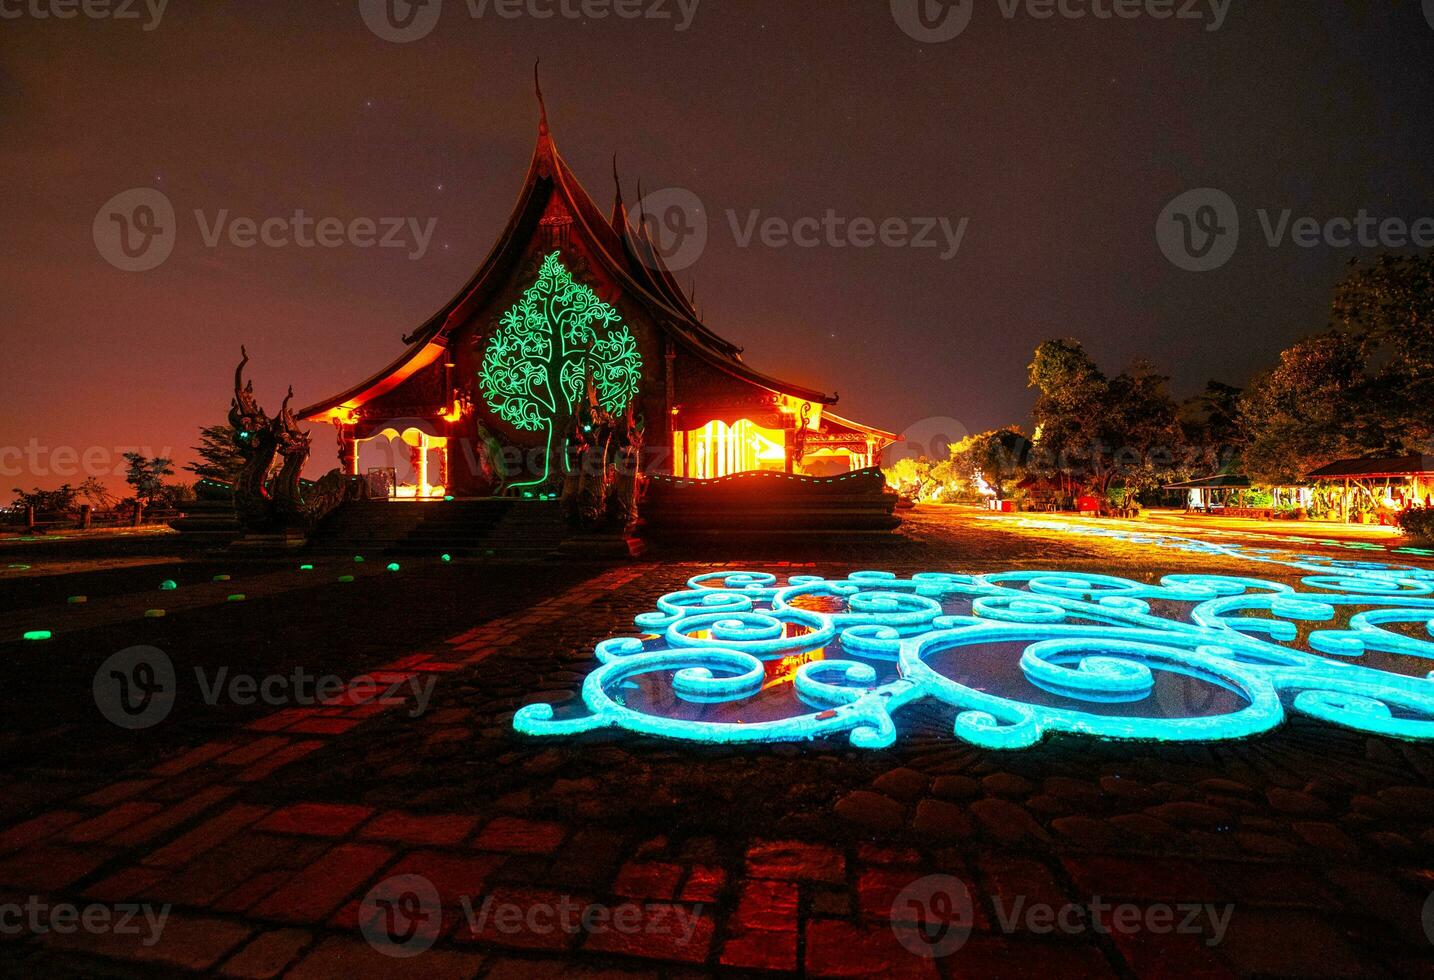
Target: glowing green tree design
537	363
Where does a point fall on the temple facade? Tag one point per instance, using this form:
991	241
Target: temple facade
571	306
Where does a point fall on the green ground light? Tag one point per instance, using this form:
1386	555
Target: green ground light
393	566
346	578
153	613
38	635
169	585
236	597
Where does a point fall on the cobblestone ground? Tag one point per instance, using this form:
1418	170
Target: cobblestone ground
1303	852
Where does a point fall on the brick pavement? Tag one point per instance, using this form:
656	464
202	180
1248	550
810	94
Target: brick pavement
266	839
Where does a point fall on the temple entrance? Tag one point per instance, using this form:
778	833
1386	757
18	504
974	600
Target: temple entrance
407	464
718	449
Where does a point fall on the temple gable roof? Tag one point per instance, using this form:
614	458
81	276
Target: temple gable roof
625	252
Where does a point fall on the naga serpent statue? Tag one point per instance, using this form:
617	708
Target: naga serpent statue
256	446
627	460
265	505
293	445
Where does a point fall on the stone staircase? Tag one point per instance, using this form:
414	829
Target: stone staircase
367	527
497	528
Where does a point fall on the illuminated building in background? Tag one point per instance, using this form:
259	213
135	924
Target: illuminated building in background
571	300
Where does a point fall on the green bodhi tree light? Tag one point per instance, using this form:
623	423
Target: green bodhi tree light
538	362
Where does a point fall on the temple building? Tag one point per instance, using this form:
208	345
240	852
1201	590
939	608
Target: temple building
575	304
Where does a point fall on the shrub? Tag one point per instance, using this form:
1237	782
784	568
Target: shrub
1418	523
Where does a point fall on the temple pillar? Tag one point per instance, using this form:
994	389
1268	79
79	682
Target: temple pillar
418	457
348	450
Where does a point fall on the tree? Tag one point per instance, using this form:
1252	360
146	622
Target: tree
147	476
549	345
1363	387
993	458
58	501
1310	410
1213	424
97	495
911	477
1142	420
1387	307
219	460
1095	431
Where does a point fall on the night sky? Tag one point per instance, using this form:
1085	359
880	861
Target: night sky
1060	140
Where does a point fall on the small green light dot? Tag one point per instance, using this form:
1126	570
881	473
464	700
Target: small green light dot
169	585
448	496
38	635
154	614
358	557
236	597
346	578
393	566
306	568
221	578
447	557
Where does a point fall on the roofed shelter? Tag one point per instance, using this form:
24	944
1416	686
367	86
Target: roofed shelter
1380	486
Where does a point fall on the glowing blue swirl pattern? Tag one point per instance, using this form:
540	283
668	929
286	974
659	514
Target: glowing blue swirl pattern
1015	656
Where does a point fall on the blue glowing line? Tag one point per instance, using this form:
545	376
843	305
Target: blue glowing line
1086	641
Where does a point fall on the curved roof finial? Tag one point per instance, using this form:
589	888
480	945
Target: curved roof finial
542	106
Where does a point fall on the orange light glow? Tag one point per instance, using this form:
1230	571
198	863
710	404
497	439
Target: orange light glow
718	449
784	671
